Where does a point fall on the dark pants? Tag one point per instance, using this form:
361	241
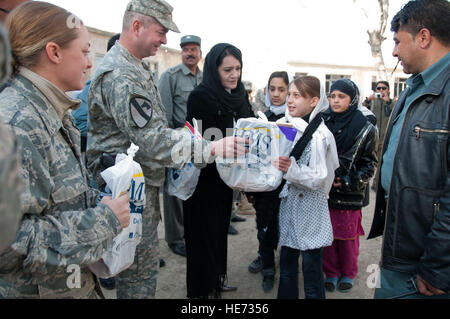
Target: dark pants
267	211
312	274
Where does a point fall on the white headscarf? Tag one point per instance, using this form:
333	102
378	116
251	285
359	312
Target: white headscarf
277	110
313	176
321	106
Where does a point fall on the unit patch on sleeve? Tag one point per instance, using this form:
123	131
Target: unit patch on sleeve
141	111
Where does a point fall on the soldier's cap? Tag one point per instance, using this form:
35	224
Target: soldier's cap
158	9
190	39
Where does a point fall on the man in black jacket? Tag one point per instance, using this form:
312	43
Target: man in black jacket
412	209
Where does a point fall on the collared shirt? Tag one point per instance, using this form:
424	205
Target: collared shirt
81	114
175	85
416	86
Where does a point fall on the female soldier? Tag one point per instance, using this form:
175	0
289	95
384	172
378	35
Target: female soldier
62	230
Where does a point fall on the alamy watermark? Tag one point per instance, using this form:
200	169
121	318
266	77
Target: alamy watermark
260	146
74	279
73	22
373	280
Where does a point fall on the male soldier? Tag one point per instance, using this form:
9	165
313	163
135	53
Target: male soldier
259	103
10	185
124	107
248	88
381	105
175	86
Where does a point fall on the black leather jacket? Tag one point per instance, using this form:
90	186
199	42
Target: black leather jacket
415	218
356	167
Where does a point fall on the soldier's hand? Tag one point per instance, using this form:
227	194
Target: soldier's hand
230	147
120	207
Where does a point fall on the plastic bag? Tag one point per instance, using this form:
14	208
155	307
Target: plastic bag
254	172
183	182
125	176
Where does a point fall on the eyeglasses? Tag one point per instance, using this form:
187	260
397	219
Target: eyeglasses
381	88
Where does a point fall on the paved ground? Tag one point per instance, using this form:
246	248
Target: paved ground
242	250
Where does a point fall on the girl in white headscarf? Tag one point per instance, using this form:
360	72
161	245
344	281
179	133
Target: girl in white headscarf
305	225
267	204
276	94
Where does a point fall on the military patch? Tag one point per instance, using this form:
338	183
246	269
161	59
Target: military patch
141	111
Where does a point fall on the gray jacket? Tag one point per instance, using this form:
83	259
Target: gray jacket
175	85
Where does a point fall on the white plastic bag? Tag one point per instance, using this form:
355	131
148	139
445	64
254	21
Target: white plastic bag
254	172
183	182
124	177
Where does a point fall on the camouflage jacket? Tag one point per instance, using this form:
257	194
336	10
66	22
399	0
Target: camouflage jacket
124	107
10	187
62	231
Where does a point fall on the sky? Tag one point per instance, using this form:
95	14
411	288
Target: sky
268	32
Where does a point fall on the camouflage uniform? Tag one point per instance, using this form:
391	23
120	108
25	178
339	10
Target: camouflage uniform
61	228
10	185
259	104
125	107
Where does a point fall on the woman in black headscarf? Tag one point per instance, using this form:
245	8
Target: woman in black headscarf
355	139
217	102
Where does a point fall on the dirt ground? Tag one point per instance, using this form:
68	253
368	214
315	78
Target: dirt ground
242	249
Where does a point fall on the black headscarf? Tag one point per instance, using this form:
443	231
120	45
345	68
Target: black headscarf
345	126
238	99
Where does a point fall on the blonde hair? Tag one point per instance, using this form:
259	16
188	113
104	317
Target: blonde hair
34	24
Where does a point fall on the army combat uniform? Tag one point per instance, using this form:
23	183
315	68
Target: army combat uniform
125	107
10	179
62	230
10	187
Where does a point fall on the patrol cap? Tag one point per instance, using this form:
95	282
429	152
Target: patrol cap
158	9
190	39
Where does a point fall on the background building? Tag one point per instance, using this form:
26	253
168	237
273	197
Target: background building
362	73
164	59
